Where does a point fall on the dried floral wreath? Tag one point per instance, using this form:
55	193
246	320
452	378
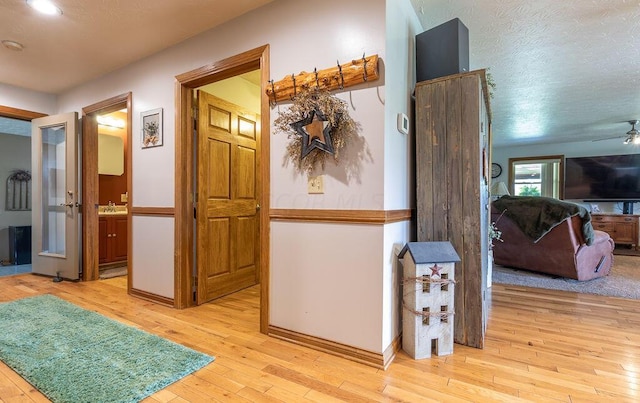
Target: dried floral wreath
318	125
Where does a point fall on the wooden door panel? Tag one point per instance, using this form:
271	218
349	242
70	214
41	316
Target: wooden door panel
219	118
244	172
247	127
221	208
246	241
218	169
218	258
230	283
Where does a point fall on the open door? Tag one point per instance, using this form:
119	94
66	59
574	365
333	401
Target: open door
228	224
55	207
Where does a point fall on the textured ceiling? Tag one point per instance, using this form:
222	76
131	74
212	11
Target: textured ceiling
564	70
95	37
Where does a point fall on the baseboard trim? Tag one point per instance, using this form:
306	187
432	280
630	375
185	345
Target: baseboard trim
151	297
390	353
370	358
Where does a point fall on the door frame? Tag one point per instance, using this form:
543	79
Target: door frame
90	184
186	83
21	114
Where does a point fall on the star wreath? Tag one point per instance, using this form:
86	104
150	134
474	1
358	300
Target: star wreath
318	126
316	133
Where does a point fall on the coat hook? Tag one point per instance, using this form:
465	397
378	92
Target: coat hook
364	72
341	76
293	77
315	71
273	91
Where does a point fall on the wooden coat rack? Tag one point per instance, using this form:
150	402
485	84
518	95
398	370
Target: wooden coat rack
341	76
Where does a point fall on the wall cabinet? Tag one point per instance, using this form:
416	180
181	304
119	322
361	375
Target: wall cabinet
623	229
452	198
112	230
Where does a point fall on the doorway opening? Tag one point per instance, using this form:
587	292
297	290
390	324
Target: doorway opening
106	189
15	192
187	171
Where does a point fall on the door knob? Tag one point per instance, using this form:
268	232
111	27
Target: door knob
258	207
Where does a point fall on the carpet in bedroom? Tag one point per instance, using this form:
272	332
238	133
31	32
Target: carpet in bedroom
623	281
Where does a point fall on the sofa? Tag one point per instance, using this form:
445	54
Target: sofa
549	236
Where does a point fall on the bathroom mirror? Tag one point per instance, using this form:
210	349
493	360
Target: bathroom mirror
110	155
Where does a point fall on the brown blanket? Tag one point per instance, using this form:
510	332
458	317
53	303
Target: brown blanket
536	216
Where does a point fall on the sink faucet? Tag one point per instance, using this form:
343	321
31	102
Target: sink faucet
112	206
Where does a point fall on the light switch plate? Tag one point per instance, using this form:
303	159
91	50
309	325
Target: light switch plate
315	185
403	123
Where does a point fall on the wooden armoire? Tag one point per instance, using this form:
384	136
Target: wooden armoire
452	175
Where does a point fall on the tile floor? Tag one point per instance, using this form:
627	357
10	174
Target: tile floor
13	270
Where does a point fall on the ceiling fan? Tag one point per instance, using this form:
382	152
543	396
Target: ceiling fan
632	136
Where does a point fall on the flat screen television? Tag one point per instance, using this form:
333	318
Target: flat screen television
613	178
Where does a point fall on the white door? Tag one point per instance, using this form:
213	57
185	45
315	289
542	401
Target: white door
56	208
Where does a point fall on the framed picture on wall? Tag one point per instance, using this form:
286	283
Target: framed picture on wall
151	122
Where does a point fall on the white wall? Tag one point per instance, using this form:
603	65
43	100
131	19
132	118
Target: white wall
152	260
326	282
402	25
26	99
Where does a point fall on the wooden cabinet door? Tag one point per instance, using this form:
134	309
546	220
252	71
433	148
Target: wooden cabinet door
119	238
112	234
624	232
103	240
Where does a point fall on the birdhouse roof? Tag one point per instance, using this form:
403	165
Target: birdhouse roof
430	252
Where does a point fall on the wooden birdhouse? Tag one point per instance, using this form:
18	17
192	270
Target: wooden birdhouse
428	295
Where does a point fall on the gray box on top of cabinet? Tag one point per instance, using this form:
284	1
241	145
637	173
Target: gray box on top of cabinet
442	51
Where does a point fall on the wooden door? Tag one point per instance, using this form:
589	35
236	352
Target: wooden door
228	225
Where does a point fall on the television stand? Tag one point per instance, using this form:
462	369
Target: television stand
623	228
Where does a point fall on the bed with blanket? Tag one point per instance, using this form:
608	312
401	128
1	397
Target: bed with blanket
550	236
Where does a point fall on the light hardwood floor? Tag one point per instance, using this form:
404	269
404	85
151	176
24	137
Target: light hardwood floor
540	346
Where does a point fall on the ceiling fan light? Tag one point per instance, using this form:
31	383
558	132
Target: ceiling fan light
636	139
627	140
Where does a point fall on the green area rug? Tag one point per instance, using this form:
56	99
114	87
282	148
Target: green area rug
74	355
